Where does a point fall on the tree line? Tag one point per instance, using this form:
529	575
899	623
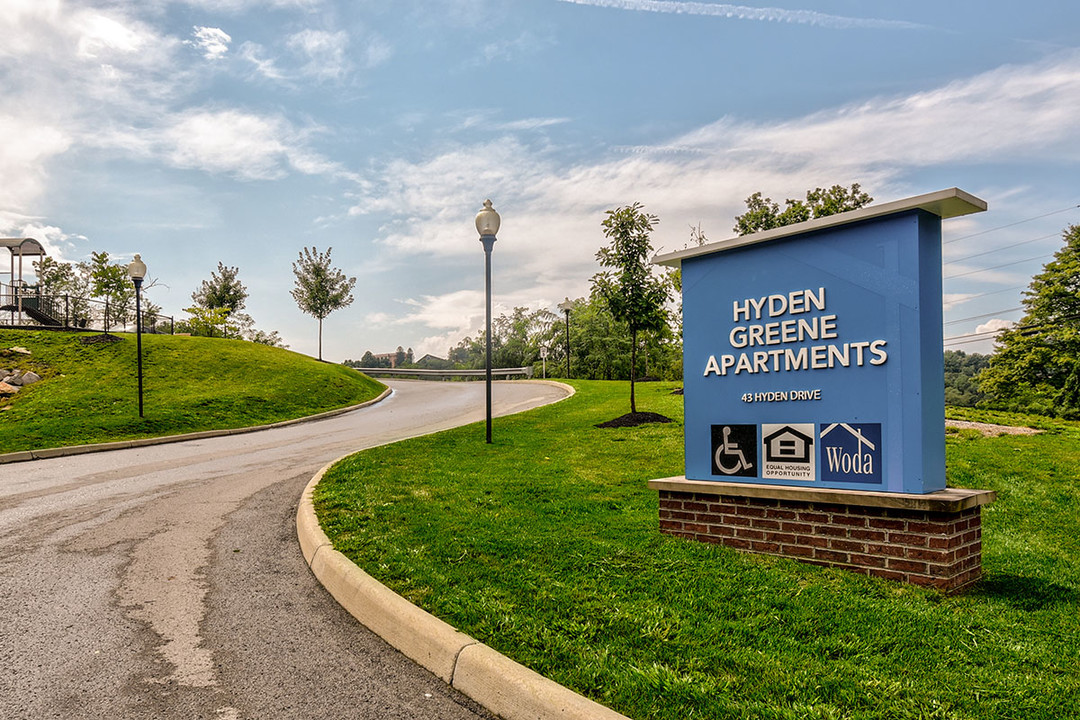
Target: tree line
627	328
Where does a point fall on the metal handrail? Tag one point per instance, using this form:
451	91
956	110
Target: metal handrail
71	312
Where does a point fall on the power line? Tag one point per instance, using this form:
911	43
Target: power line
986	315
1004	247
1022	329
1018	222
992	292
972	272
961	341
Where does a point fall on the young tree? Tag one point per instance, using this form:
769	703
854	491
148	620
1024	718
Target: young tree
222	291
764	214
112	283
1037	365
632	292
320	289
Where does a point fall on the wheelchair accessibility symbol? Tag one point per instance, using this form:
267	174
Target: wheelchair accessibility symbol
735	450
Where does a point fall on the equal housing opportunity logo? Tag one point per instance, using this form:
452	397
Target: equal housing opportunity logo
788	452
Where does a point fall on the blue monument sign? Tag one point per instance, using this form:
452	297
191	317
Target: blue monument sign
812	353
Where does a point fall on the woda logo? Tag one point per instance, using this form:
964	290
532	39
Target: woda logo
851	452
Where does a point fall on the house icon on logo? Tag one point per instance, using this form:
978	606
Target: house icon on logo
856	432
788	445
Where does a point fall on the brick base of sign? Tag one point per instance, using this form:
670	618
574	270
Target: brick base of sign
933	540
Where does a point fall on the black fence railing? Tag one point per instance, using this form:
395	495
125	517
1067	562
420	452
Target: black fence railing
428	374
27	306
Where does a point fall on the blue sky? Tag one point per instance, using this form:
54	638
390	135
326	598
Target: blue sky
198	131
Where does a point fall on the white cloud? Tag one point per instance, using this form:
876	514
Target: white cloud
254	53
1022	111
461	313
951	300
102	35
377	51
527	43
59	245
994	325
324	53
27	148
248	146
236	6
317	54
552	211
214	42
743	12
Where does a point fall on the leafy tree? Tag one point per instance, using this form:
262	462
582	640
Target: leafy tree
267	338
961	378
468	354
1037	366
54	277
222	290
110	283
599	344
632	293
764	214
202	321
515	340
517	337
320	289
73	280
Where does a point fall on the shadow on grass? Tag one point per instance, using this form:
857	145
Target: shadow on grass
1024	593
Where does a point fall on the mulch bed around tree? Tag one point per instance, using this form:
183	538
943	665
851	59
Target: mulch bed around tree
103	338
635	419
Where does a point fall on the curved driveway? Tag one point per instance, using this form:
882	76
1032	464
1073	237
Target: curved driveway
166	581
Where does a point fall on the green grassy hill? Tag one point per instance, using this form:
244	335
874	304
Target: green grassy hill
89	392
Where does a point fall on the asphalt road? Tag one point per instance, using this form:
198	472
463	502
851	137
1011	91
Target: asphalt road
166	581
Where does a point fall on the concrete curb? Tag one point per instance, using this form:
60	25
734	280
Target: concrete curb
144	442
504	687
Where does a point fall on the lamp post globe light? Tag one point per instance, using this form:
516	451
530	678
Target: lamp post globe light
137	271
566	306
487	224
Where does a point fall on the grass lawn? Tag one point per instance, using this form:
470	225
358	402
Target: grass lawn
545	546
89	393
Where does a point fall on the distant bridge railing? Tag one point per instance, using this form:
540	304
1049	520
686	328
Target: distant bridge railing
426	374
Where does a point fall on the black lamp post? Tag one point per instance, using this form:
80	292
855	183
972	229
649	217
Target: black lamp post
487	224
137	271
565	306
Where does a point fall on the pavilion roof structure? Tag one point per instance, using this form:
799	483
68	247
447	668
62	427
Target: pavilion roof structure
21	247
